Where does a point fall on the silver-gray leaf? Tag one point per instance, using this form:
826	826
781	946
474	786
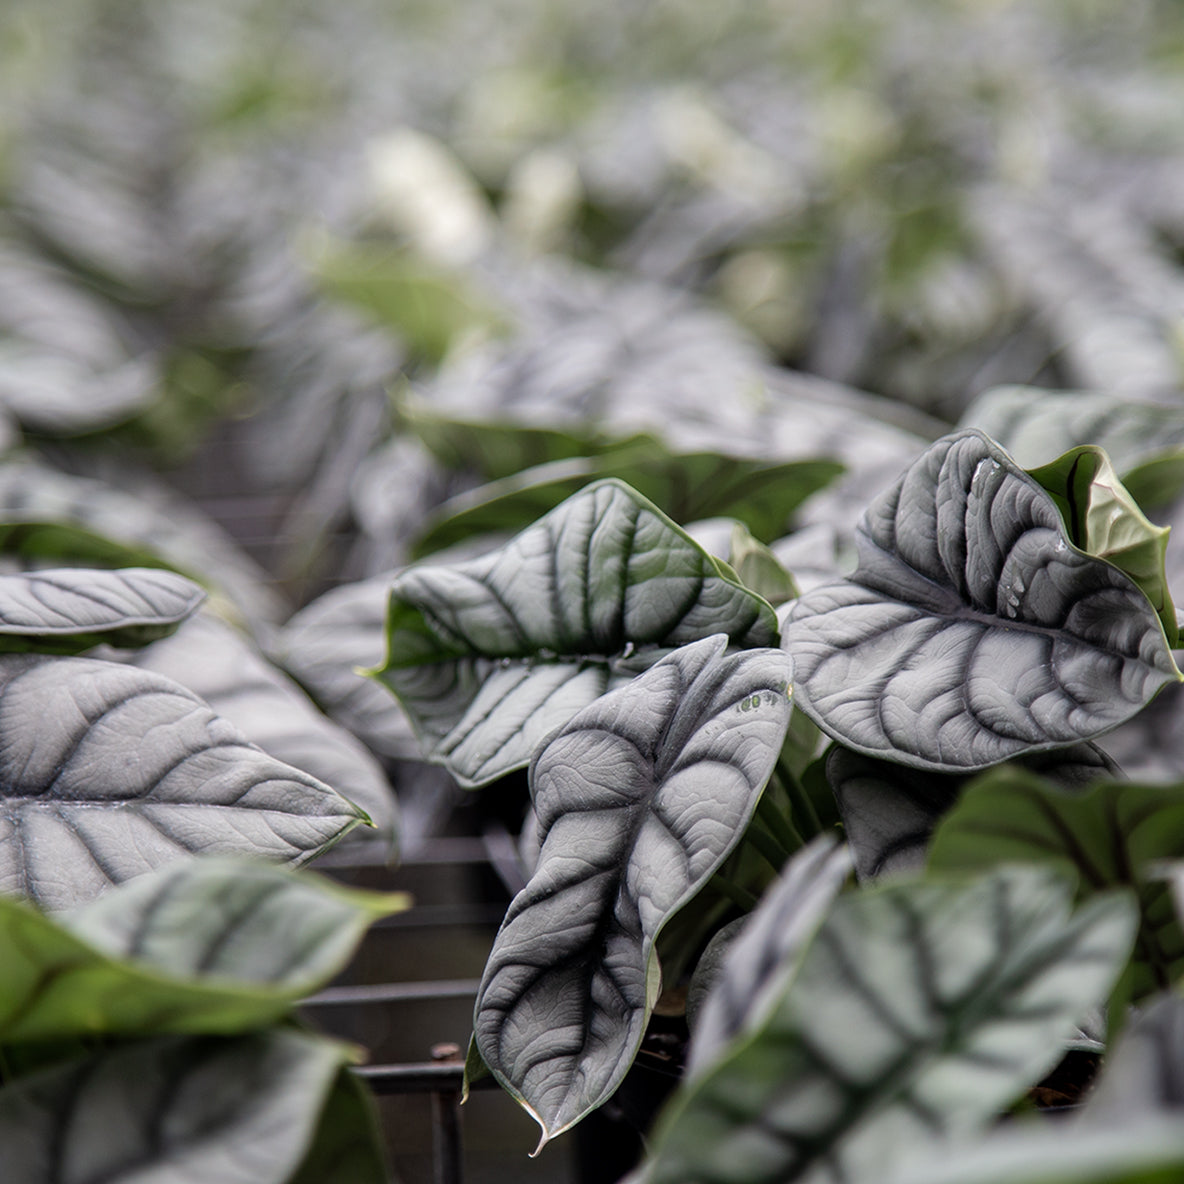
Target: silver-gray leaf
972	630
107	771
639	798
71	609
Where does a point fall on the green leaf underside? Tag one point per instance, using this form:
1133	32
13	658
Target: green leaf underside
176	1110
917	1012
489	656
347	1147
72	609
972	630
688	487
759	569
889	811
773	936
208	945
639	798
495	449
1105	521
1109	835
107	771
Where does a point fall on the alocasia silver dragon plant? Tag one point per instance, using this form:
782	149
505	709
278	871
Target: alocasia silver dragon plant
997	621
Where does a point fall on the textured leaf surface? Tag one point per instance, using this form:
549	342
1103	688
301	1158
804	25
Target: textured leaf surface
72	609
1112	834
1105	520
889	811
756	964
174	1110
639	798
489	656
107	771
207	945
918	1010
972	630
217	663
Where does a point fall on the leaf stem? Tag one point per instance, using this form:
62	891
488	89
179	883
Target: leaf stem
771	848
781	828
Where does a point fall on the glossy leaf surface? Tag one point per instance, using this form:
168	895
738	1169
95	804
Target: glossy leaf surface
71	609
207	945
972	630
918	1010
489	656
639	798
107	771
173	1110
1112	834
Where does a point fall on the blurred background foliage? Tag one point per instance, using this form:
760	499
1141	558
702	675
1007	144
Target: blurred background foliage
276	239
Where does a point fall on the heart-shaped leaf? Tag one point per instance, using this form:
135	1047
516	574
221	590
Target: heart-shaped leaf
1110	834
1104	520
71	609
972	630
176	1110
205	945
107	771
489	656
217	663
639	798
889	811
918	1010
749	975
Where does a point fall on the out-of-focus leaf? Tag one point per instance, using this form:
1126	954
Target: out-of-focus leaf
1104	520
204	946
639	798
429	306
917	1011
347	1147
73	609
972	630
1106	835
46	514
687	486
489	656
217	663
1036	426
178	1110
107	771
747	978
328	644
